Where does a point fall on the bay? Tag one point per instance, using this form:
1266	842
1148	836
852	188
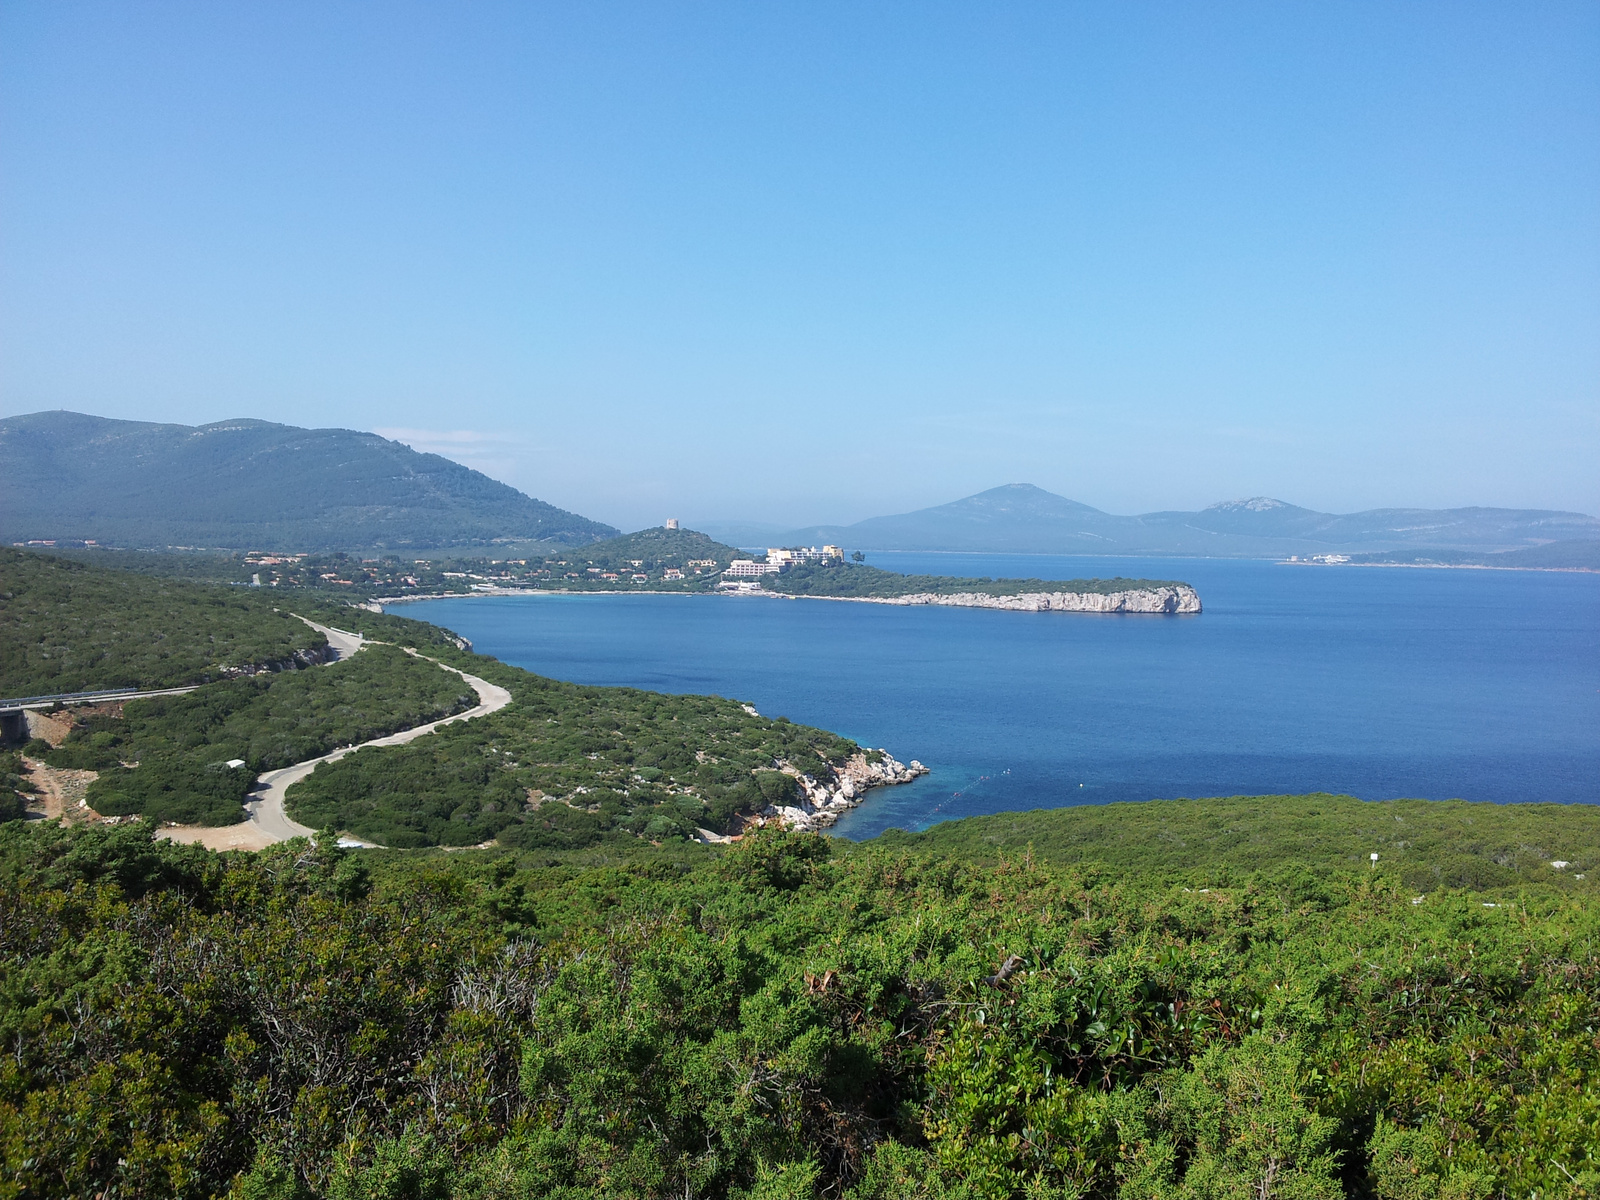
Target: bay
1375	682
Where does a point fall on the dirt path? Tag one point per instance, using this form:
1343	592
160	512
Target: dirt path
61	790
268	822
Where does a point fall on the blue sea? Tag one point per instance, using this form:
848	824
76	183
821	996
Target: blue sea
1376	682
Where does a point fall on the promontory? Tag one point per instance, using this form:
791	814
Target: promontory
855	581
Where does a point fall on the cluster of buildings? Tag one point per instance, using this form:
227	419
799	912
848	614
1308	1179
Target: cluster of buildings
779	560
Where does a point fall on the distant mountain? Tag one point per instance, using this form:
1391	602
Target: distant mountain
1022	519
1018	517
1576	555
745	533
248	484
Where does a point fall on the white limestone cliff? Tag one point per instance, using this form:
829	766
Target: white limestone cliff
1177	598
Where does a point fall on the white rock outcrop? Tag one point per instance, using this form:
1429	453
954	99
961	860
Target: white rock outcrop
1178	598
822	802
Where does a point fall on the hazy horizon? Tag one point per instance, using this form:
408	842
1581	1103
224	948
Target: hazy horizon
812	265
697	521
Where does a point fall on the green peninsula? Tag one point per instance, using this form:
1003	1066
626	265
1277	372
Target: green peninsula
860	581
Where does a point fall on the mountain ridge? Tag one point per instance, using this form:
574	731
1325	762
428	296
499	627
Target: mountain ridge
245	483
1023	518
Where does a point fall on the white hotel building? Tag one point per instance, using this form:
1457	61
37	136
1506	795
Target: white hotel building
780	560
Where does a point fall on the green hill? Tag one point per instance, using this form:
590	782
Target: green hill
1423	844
246	484
65	627
654	548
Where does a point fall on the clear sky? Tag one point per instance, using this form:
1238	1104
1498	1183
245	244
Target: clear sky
816	262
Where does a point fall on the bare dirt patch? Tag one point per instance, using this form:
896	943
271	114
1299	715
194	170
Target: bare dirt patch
60	792
243	836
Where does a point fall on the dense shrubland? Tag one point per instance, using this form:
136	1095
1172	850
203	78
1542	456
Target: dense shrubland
65	627
1427	843
166	757
14	786
566	766
787	1018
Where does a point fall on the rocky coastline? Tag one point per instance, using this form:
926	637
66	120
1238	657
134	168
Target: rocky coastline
821	802
1177	598
1169	599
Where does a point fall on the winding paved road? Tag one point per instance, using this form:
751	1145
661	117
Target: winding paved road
268	822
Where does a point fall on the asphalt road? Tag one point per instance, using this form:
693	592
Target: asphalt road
268	822
266	808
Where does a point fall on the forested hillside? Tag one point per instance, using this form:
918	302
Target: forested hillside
65	627
658	547
786	1018
248	484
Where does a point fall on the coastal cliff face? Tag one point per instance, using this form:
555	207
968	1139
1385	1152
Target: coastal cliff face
1180	598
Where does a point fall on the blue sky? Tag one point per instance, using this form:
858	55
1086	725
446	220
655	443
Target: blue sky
795	263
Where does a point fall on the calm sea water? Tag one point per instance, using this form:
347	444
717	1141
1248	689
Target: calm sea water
1375	682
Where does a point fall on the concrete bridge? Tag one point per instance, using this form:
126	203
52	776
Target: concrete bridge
14	724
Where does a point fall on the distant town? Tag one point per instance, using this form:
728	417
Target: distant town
743	574
665	557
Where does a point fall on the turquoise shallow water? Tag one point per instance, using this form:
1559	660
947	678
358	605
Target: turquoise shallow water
1376	682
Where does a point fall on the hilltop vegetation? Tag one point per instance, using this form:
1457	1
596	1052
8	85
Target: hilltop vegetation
1421	844
788	1018
861	581
251	485
655	548
65	627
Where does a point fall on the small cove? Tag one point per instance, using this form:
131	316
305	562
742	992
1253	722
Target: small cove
1376	682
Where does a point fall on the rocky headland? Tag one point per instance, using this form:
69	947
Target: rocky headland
822	802
1175	598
